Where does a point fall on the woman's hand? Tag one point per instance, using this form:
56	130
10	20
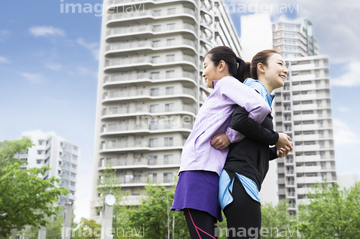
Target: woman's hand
284	142
282	152
220	141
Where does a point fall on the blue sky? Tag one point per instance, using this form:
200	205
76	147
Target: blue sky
49	63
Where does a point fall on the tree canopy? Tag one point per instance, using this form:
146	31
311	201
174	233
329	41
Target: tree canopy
25	198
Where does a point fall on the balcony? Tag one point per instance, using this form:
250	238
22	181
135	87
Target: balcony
143	13
133	163
305	107
141	94
131	62
147	128
144	146
303	180
117	79
141	45
134	181
150	30
116	112
308	169
113	3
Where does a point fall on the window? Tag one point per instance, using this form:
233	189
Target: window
152	159
59	161
154	125
171	11
112	127
155	59
111	143
170	42
170	74
169	107
152	177
59	172
113	110
168	177
154	108
156	43
170	90
39	151
114	94
168	159
170	26
155	75
169	141
157	13
41	142
156	28
153	142
154	92
167	124
170	57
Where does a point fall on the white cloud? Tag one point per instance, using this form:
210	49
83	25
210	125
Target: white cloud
350	78
4	34
336	27
344	109
4	60
344	135
84	72
54	67
92	47
32	78
46	31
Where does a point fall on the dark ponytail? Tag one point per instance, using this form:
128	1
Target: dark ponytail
236	66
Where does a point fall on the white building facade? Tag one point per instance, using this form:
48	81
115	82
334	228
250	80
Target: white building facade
294	38
303	111
58	154
150	86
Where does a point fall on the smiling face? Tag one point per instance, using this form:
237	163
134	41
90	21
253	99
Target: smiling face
275	72
211	72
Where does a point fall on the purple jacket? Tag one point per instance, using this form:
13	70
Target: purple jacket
214	118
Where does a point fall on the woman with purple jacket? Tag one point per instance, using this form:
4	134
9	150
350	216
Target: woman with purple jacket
201	164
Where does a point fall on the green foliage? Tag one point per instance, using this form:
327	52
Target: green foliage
154	216
332	213
87	229
276	221
25	199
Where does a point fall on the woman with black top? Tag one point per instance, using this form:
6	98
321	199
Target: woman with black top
248	160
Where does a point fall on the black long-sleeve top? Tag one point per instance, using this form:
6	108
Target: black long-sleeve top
250	157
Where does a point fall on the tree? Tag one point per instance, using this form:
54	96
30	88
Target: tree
331	213
87	229
276	221
25	199
154	216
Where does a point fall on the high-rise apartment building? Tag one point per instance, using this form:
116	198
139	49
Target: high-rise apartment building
294	38
58	154
303	111
150	86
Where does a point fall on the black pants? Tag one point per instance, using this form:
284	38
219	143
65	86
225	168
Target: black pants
243	215
201	224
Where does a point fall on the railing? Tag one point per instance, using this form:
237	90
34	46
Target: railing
137	30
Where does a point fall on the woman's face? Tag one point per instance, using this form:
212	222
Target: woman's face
276	71
210	72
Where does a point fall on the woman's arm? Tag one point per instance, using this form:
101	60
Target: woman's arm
242	123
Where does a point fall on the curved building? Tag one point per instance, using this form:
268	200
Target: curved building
150	86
